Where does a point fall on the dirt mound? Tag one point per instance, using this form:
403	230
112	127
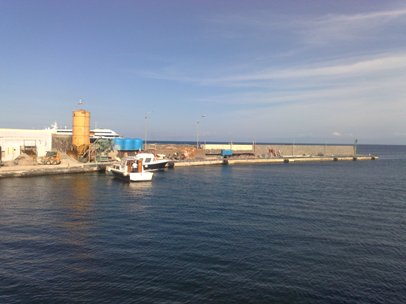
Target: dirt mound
25	160
176	152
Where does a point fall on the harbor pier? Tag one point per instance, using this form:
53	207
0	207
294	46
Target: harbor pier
38	170
252	161
181	155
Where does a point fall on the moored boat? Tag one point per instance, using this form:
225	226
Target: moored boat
131	170
150	162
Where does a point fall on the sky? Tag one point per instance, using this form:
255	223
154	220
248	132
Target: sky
314	71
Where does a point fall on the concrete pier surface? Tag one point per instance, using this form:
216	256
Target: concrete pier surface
247	161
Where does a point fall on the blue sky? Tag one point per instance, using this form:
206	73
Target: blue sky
271	71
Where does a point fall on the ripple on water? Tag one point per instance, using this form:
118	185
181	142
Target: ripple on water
317	233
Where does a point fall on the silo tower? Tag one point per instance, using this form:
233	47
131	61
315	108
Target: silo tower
81	131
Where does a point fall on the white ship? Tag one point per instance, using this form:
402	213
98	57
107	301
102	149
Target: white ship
94	133
103	133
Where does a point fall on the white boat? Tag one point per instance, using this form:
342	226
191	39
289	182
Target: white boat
131	169
151	163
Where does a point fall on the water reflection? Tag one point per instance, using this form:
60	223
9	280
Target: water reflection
77	220
140	188
135	189
137	196
79	201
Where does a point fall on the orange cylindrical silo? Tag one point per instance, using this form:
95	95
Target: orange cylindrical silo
80	128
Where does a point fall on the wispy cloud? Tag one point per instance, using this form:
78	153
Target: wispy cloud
369	25
387	94
314	29
356	90
370	66
380	16
360	67
310	29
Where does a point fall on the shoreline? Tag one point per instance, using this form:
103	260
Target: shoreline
43	170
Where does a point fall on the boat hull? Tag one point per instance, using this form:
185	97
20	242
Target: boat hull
156	165
132	176
141	176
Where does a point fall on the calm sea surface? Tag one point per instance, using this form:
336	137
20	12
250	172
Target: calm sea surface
293	233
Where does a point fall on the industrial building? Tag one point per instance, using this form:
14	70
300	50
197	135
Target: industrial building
35	143
13	142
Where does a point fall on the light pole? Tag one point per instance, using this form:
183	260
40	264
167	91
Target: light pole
197	131
146	129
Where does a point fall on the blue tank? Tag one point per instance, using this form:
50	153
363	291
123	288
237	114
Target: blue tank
138	144
118	144
128	144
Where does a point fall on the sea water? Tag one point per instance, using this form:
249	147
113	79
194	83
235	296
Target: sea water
293	233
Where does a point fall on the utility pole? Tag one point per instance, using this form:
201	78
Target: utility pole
146	130
197	130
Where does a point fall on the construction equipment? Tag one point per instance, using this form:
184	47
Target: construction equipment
51	158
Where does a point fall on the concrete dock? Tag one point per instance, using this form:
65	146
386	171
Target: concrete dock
26	171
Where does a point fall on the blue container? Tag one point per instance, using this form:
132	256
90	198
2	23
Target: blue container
118	144
228	152
133	144
138	144
128	144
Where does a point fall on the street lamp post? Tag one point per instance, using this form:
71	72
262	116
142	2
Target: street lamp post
146	129
197	131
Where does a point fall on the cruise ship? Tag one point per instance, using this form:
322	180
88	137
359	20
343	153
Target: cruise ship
94	133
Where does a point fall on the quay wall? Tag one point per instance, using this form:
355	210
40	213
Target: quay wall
273	150
27	171
304	150
235	147
251	161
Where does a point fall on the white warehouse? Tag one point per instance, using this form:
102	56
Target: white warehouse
15	141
